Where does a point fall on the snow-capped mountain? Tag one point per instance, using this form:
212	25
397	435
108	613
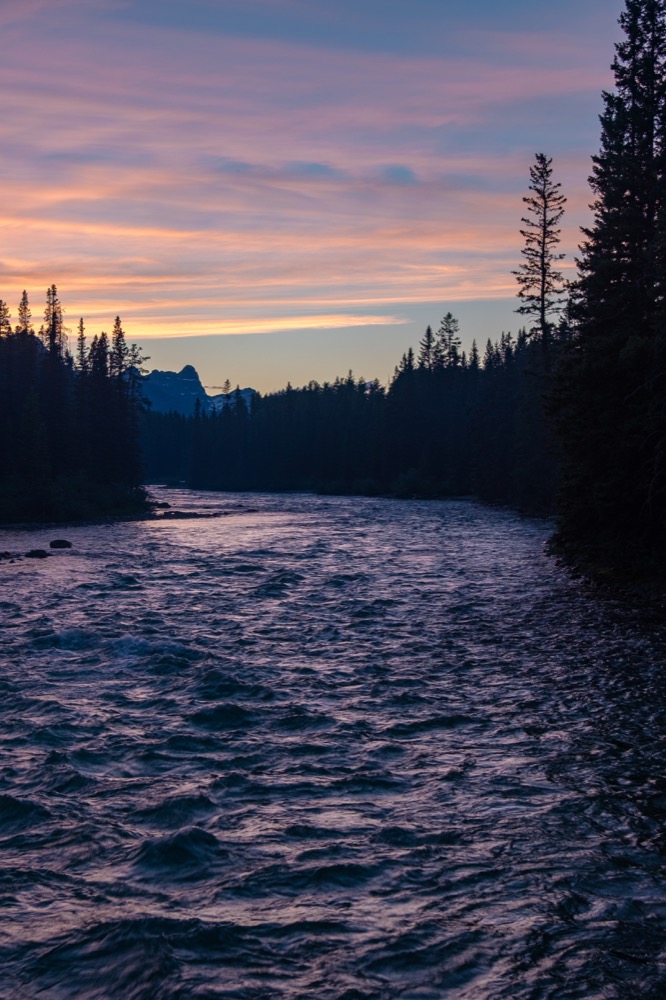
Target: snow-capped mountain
178	392
221	400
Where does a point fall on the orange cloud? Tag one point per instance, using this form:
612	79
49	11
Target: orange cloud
205	184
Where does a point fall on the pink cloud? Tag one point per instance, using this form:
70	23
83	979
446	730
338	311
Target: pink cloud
171	170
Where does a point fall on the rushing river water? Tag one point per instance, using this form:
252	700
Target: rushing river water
330	748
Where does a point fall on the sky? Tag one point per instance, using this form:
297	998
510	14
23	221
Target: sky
283	190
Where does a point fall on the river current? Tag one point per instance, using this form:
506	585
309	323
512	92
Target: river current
351	749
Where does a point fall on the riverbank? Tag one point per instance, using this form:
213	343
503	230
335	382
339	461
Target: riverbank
64	500
637	583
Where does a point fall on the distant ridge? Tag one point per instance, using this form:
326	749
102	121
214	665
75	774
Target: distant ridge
178	392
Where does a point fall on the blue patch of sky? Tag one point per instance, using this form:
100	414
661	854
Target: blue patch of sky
562	123
396	173
225	165
304	170
426	27
478	182
316	171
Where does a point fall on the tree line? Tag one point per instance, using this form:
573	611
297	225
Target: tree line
447	425
69	440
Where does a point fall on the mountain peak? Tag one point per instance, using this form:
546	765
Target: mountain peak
178	392
175	392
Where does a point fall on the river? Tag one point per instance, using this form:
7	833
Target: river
351	749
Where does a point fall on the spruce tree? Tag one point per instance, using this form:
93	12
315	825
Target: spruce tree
611	398
5	320
24	326
136	369
118	352
98	358
81	349
474	363
447	350
406	366
541	286
52	332
427	350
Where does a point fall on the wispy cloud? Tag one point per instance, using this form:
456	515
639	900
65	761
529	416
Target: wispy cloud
214	182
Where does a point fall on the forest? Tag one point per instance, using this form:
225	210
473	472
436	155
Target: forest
69	436
447	425
567	419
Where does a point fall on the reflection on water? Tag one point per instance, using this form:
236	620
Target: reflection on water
350	748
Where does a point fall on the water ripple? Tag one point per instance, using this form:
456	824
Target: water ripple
345	748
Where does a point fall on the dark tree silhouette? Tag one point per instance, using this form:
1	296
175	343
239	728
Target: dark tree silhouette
447	348
52	331
68	427
24	325
541	286
611	399
81	348
5	319
426	358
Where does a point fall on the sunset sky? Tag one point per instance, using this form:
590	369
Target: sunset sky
280	190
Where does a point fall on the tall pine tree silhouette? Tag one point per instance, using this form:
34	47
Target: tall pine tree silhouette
541	286
611	399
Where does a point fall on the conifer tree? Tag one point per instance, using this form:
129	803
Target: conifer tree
474	361
427	350
5	320
492	357
541	286
611	399
136	361
52	332
81	349
448	342
24	324
118	351
98	357
406	366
